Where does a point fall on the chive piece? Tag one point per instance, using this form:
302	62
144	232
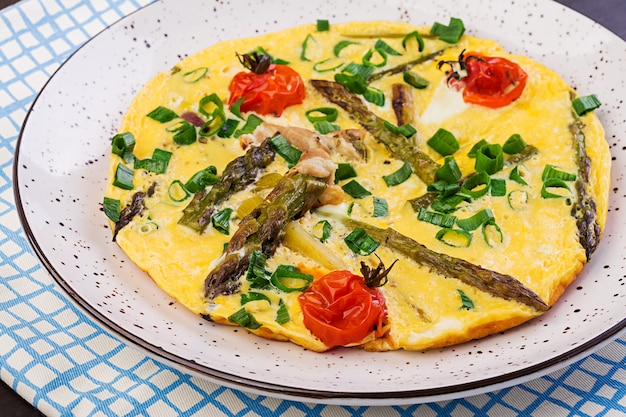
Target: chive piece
498	187
477	220
490	159
451	33
477	185
253	296
282	314
375	96
184	133
443	142
449	204
123	145
418	38
384	46
405	130
350	207
244	319
357	69
323	25
438	219
518	199
517	176
123	177
202	179
342	45
228	128
322	114
326	229
466	302
256	274
252	122
353	82
476	147
304	47
177	192
162	114
399	176
415	80
356	190
553	183
344	171
454	237
327	65
443	188
284	149
209	105
236	108
360	242
381	208
325	127
288	278
550	171
488	236
449	171
367	58
195	75
221	220
514	144
585	104
151	165
112	208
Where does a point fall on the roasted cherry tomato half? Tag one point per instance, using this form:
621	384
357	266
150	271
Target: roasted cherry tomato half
339	309
268	93
491	81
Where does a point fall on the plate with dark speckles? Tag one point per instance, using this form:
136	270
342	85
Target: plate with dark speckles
60	173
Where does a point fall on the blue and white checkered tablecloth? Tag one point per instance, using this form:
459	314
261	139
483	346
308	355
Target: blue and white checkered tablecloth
65	364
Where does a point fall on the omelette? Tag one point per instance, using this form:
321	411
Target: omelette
365	184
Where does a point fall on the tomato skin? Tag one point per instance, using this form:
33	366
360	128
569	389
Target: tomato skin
268	93
492	81
339	309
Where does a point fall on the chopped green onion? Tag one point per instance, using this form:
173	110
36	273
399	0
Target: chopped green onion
415	80
344	171
449	171
438	219
477	185
221	220
236	108
327	65
399	176
451	33
304	47
367	58
585	104
323	25
256	274
288	278
360	242
476	147
490	159
244	319
362	70
123	145
177	192
418	38
443	142
210	104
375	96
385	47
252	122
202	179
477	220
518	199
514	144
228	128
184	132
284	149
550	171
123	177
151	165
353	82
112	208
195	75
325	127
381	208
162	114
553	183
254	296
517	175
405	130
466	302
342	45
282	314
443	188
449	204
326	229
454	237
356	190
490	229
498	187
350	207
322	114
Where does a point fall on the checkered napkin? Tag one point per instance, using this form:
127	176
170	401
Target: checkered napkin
65	364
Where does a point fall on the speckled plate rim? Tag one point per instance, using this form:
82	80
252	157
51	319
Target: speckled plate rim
277	390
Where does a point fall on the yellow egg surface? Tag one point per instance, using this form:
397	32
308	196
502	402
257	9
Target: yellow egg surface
533	236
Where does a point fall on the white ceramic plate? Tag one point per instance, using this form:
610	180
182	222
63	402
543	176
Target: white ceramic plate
60	174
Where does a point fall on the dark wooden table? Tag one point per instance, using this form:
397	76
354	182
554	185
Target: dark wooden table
610	13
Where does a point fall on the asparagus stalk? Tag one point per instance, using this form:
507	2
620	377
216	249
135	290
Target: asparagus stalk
134	208
238	174
423	166
492	282
261	230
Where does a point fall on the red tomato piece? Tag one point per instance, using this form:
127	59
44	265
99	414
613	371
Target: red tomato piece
339	309
268	93
492	81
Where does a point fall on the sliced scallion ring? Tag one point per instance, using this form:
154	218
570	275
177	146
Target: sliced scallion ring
202	179
415	80
518	199
282	314
208	105
438	219
477	220
517	174
489	158
325	127
356	190
514	144
449	204
554	184
381	208
344	171
123	144
353	82
341	46
288	278
328	65
443	142
244	319
449	171
285	150
112	208
123	177
375	96
550	171
305	45
360	242
492	234
162	114
253	296
221	220
177	191
477	185
184	132
380	62
385	47
405	130
398	177
456	238
498	187
585	104
322	114
252	122
323	25
195	75
322	230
